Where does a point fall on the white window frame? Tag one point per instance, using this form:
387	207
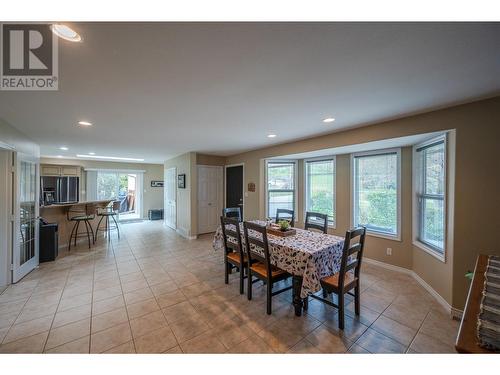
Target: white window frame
416	207
331	224
370	232
295	181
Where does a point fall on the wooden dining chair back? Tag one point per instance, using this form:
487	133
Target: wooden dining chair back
232	212
283	214
347	278
234	253
315	220
259	262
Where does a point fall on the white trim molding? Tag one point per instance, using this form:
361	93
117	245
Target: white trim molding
454	313
184	233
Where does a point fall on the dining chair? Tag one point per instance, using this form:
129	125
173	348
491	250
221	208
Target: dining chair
259	262
283	214
315	220
232	212
111	210
81	214
347	278
234	255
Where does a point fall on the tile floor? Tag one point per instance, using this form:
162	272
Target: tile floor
154	292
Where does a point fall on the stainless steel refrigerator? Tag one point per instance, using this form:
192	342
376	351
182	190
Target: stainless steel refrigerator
56	190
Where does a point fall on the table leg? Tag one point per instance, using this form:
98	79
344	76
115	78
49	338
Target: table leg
297	301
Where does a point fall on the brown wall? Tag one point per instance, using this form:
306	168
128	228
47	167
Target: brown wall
202	159
476	205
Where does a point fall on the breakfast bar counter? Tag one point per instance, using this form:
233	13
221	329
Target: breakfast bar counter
57	213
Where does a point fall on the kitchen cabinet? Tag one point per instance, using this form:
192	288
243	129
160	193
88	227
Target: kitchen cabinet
60	170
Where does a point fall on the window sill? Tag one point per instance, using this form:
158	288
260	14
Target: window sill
430	251
330	226
384	236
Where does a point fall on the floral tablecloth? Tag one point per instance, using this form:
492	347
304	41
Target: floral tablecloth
311	255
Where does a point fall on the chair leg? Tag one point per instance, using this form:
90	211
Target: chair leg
71	237
325	293
226	271
357	303
98	225
107	227
341	310
87	229
117	228
306	303
242	276
269	297
76	232
249	285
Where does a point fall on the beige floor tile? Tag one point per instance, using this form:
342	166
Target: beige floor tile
107	293
28	345
356	349
440	326
194	290
328	341
109	319
278	339
174	350
204	343
394	330
147	323
36	312
157	341
79	346
67	333
70	302
188	328
72	315
171	298
164	287
304	347
134	285
30	328
426	344
142	308
254	344
137	296
412	318
106	305
110	338
376	342
127	348
180	311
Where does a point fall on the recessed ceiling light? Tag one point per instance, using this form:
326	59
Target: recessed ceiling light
91	153
107	157
64	148
84	123
66	33
59	156
271	136
328	119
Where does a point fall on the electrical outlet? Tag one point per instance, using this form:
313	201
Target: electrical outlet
389	251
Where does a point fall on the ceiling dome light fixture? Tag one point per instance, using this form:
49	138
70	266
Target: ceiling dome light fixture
64	148
65	32
328	120
84	123
271	136
91	153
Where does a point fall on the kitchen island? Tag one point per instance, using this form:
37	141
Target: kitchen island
58	213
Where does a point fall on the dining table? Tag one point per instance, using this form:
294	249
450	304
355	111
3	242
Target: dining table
308	256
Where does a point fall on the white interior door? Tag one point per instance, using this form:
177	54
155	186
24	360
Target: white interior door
25	229
170	194
209	198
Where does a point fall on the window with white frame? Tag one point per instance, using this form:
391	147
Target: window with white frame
376	192
280	186
430	190
320	187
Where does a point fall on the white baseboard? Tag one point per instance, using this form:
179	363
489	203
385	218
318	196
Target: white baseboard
184	233
455	313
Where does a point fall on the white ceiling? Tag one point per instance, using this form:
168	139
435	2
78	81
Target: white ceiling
155	90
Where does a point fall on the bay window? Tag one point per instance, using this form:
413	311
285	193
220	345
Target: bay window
280	183
320	187
430	188
376	192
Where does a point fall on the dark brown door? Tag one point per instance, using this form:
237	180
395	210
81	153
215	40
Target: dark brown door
234	187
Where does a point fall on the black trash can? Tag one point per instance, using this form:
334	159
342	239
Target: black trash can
49	241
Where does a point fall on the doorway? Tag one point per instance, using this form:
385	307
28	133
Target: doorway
124	187
209	198
170	191
26	223
234	187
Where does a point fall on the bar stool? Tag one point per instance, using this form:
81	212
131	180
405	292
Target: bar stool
110	211
79	214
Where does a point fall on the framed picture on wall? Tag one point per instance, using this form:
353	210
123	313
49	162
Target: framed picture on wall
156	183
181	181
